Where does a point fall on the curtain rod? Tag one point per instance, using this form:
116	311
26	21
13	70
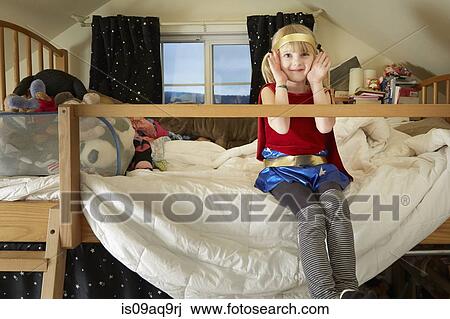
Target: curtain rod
82	21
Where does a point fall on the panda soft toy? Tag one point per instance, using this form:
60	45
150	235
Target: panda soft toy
98	156
98	153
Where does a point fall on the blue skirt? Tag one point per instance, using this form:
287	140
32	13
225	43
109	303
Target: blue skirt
310	176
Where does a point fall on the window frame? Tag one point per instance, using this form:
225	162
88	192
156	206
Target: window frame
216	38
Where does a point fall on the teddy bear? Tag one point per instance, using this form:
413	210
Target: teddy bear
56	82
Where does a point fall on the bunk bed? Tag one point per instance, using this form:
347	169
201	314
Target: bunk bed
62	225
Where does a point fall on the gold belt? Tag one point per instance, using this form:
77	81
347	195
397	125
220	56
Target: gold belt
297	160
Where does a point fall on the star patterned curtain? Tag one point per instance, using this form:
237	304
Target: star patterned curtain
125	58
91	272
260	29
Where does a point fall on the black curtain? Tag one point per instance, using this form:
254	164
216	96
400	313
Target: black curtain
91	272
260	29
125	58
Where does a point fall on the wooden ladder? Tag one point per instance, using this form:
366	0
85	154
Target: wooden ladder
51	262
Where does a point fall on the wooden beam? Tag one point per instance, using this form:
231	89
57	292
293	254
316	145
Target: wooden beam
32	261
447	91
435	93
69	162
437	78
40	56
440	235
62	62
53	278
24	221
243	110
87	235
50	59
29	57
16	58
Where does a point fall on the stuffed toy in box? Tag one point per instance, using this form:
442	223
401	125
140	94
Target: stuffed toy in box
29	144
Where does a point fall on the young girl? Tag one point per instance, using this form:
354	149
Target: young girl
303	170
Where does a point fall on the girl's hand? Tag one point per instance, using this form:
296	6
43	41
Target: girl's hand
319	68
275	66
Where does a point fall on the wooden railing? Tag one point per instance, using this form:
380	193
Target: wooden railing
69	151
31	42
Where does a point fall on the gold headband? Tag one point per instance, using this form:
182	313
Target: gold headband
293	37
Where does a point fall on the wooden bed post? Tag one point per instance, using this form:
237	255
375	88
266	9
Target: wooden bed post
53	278
69	176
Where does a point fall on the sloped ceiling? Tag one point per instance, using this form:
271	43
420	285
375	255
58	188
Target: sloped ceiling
46	17
411	31
416	32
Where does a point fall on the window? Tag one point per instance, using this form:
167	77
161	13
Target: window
183	72
210	69
231	73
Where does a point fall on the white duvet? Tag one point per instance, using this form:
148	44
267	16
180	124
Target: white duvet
29	188
238	258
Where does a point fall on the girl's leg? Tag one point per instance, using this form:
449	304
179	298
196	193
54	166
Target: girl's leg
341	249
312	231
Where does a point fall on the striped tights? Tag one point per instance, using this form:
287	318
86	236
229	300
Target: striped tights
323	221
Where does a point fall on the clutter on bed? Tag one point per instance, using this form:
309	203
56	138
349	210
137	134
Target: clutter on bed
149	141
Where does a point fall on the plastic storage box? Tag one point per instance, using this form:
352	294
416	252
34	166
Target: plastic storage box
29	144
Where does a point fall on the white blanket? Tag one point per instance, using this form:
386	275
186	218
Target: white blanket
238	258
29	188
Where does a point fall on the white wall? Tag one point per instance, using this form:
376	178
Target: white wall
340	44
414	32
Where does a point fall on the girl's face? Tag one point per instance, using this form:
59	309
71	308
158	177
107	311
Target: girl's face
295	63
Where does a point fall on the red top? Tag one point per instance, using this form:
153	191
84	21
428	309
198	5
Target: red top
303	137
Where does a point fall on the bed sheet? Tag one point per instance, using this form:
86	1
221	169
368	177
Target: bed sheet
29	188
207	258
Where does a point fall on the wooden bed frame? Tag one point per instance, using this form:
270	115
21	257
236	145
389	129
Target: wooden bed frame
40	221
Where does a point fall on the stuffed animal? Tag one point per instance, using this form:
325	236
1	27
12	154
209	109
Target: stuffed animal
56	81
373	84
39	101
396	70
15	103
68	98
98	156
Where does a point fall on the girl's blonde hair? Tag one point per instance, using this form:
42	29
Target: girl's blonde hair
302	47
